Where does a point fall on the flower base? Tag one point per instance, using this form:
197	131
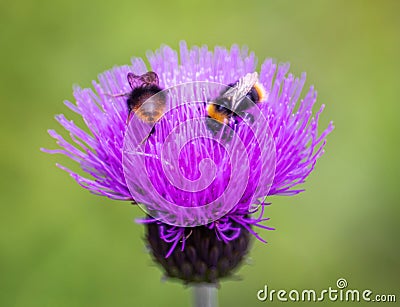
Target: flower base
205	258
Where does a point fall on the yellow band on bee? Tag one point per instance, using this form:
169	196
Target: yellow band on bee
262	94
218	116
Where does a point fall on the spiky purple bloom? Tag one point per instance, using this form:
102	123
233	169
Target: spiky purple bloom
291	125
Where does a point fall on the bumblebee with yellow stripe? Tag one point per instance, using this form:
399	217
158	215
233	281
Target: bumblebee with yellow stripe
144	89
146	100
237	98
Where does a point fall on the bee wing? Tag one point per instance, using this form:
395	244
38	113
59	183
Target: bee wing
148	78
134	80
241	89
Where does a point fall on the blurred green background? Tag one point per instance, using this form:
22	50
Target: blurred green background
62	246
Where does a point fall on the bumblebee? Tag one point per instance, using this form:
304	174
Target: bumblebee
144	89
233	101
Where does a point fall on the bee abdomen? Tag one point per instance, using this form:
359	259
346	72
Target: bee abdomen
148	103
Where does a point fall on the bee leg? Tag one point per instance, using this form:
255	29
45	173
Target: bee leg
147	137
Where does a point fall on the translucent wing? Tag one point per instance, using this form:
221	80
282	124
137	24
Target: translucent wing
134	80
148	78
236	93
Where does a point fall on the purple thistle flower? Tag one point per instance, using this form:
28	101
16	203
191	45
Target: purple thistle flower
280	155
